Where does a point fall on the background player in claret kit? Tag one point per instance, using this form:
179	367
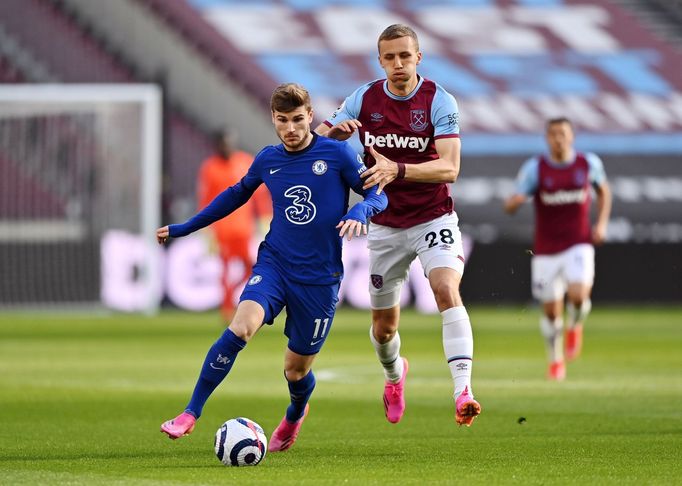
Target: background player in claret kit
563	262
409	127
299	262
234	233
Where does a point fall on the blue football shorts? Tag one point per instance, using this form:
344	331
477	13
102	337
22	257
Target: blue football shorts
310	308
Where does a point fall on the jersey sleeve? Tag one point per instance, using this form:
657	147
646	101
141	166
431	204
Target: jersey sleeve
224	203
350	108
351	168
597	174
444	114
527	178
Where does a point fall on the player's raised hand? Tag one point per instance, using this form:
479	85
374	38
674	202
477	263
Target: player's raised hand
352	227
344	130
162	235
382	173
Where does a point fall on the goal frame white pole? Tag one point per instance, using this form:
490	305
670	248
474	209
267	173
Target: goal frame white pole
150	98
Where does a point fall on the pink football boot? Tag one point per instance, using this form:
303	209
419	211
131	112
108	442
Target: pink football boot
467	409
556	371
181	425
394	397
574	342
286	433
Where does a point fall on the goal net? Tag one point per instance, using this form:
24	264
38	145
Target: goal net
79	196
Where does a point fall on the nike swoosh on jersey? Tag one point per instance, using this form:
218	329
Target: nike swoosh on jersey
313	343
272	171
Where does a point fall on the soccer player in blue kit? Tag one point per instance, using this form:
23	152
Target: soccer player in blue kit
299	262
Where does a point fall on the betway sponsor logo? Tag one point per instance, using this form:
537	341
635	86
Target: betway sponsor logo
392	140
558	198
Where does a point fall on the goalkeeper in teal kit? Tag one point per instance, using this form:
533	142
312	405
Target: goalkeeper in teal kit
299	262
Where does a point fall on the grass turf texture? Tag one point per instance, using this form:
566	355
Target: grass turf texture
82	398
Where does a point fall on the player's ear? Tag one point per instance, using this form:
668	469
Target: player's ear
273	117
419	57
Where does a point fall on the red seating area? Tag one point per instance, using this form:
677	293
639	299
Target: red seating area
9	73
213	46
40	27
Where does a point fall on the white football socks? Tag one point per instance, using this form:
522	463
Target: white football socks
389	355
578	315
458	344
552	332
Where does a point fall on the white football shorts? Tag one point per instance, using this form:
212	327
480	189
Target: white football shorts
437	243
551	274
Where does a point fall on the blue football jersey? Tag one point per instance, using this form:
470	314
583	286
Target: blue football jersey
310	191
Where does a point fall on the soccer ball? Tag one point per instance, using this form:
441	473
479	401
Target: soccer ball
240	442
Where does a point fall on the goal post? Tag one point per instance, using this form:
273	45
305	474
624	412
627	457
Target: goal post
78	164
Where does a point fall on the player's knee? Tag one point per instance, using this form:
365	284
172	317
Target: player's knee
383	335
293	372
578	298
384	326
576	301
242	330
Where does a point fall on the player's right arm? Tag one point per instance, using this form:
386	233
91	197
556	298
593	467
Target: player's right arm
526	185
514	202
342	131
344	121
162	235
224	203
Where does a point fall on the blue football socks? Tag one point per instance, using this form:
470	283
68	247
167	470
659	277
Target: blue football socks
300	392
217	365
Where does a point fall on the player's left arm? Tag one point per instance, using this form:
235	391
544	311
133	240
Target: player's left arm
526	185
444	169
597	178
355	220
604	202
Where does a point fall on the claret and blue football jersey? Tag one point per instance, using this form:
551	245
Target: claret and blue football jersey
404	129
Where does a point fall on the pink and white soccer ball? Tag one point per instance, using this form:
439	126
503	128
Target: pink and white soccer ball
240	442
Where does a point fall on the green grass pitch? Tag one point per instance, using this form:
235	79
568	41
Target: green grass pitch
82	398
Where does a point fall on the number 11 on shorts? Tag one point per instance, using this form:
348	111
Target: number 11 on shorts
319	322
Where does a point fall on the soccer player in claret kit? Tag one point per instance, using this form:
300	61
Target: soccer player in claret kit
563	261
409	127
299	262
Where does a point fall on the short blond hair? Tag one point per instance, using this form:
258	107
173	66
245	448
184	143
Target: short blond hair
396	31
558	121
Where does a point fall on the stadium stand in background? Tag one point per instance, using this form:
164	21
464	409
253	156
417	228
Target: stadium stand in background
218	61
39	26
